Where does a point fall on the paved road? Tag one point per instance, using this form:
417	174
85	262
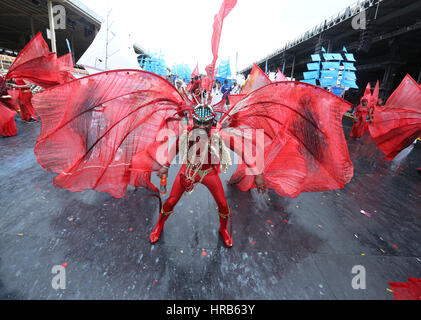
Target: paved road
306	251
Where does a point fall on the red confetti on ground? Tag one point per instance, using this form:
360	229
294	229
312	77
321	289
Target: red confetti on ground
269	221
395	246
204	253
130	229
252	243
38	187
285	220
64	264
155	282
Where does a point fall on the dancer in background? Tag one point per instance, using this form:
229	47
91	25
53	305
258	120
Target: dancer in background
7	112
27	111
398	124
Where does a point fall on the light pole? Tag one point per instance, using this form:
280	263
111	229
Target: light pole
52	30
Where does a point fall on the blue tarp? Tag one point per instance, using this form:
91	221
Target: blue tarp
349	83
315	57
349	66
182	71
350	57
337	91
311	75
221	80
333	56
331	65
313	66
224	70
349	75
310	81
328	82
154	63
329	74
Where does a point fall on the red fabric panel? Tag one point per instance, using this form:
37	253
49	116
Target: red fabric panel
280	76
400	291
256	80
195	72
398	124
3	88
13	102
224	10
42	71
93	126
361	125
35	48
65	65
14	94
220	106
415	288
407	291
26	109
304	144
7	121
35	63
234	98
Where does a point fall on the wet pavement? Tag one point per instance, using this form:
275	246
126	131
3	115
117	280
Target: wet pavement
303	248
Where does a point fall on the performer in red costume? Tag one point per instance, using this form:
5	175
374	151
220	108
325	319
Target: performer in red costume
112	129
201	168
7	112
195	90
398	123
360	119
27	111
364	112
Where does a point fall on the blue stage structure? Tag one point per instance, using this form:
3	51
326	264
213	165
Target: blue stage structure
154	63
332	71
224	72
182	71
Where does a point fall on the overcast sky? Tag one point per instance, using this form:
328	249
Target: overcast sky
182	29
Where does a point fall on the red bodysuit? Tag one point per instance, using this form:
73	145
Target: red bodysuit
211	180
361	125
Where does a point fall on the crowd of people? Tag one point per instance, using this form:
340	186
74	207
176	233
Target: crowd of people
15	98
197	87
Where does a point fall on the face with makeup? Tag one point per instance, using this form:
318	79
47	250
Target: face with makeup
202	125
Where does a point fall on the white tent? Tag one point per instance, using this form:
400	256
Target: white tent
111	49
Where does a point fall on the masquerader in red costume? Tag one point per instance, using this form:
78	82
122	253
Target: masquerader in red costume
195	90
7	112
27	111
398	123
112	129
360	119
363	113
202	161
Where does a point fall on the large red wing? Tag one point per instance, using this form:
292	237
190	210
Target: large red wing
36	64
42	71
65	67
93	126
304	145
6	115
256	80
398	123
35	48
